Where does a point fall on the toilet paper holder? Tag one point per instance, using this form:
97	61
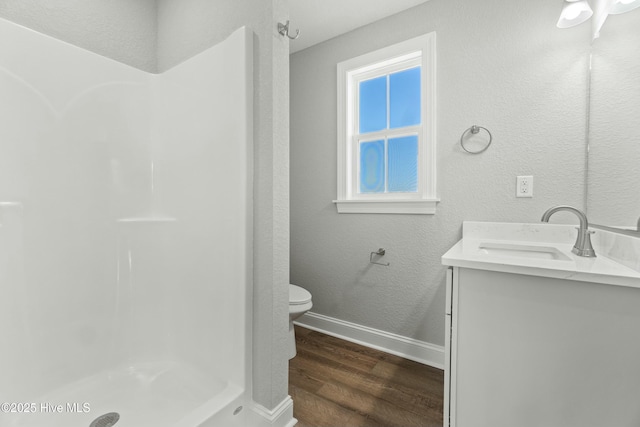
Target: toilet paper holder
379	252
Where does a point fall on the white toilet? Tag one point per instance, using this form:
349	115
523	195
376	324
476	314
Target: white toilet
299	304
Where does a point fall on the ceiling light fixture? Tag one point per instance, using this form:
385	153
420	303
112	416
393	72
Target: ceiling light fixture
623	6
575	12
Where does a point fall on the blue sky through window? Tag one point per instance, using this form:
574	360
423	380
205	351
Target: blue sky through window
373	105
403	164
372	167
404	98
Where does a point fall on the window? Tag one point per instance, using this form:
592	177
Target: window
386	130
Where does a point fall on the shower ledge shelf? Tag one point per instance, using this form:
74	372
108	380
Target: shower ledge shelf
10	204
147	219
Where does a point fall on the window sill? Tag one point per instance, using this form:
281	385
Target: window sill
412	207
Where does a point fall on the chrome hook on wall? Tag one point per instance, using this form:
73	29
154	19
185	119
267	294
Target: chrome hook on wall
283	29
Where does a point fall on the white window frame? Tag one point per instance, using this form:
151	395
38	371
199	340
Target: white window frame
419	51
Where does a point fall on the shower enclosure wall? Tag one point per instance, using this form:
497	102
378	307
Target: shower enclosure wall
125	236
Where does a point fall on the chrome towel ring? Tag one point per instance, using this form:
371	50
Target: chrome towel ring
474	130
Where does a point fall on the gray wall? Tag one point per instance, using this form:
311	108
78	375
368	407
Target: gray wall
123	30
503	65
127	30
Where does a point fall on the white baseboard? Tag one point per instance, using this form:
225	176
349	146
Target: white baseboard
280	416
412	349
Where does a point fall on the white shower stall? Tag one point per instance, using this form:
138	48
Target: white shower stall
125	236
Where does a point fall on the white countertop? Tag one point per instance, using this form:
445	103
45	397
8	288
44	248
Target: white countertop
617	261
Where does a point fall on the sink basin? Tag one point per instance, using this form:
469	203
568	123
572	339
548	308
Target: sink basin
522	251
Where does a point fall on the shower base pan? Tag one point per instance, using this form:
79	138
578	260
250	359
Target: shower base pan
163	394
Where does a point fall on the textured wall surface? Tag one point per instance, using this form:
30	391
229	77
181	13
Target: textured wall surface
189	27
614	141
123	30
502	65
184	29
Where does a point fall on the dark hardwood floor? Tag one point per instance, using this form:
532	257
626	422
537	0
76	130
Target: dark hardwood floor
336	383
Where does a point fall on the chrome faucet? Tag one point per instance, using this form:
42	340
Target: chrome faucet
583	242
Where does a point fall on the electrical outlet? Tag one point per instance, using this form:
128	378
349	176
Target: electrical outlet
524	186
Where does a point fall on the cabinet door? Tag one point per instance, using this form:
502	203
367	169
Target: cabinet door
532	351
449	348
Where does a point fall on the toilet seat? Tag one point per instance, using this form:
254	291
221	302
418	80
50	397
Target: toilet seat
298	295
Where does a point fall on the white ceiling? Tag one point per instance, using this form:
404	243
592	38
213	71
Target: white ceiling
320	20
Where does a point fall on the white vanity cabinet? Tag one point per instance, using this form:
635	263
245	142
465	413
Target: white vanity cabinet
527	350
